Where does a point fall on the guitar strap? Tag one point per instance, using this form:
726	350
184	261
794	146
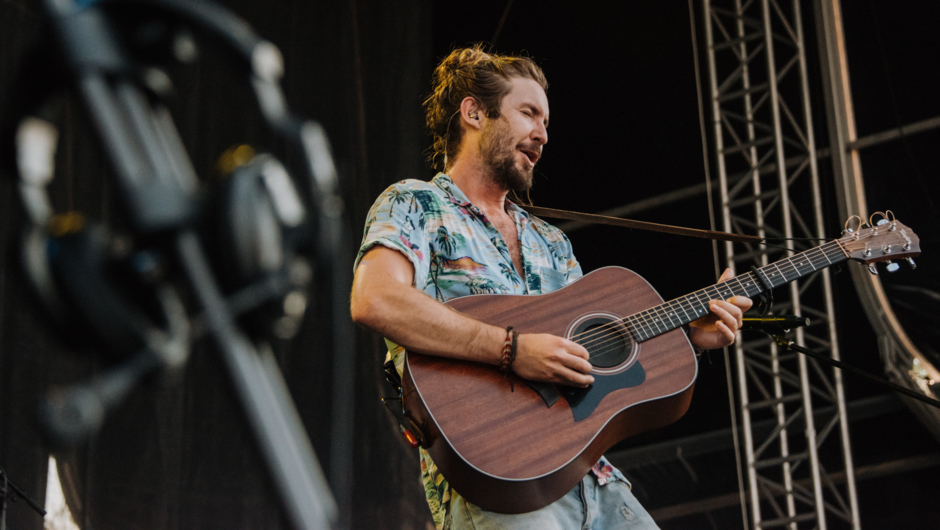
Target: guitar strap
642	225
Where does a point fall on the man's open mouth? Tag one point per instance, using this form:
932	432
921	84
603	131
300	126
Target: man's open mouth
531	154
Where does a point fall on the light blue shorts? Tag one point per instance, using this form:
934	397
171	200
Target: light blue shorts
586	506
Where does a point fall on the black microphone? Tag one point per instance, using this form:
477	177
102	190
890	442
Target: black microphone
775	324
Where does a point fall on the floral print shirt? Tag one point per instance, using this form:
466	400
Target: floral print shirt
456	251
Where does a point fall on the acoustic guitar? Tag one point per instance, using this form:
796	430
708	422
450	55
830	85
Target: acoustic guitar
512	446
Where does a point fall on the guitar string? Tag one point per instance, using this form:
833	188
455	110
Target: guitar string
662	308
812	259
610	338
605	335
658	325
811	255
822	249
664	316
646	328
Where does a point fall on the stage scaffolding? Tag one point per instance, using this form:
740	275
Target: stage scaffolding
904	363
769	185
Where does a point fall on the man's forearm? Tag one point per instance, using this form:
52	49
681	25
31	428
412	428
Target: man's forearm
414	320
384	301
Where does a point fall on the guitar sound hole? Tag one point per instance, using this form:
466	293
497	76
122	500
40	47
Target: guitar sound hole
606	340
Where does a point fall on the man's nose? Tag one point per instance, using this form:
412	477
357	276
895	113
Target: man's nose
540	134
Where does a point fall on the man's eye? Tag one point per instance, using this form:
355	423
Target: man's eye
527	113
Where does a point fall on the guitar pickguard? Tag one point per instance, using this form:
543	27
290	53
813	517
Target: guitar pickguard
583	401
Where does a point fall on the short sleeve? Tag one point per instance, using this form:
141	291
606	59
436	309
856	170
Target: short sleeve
572	267
564	265
396	221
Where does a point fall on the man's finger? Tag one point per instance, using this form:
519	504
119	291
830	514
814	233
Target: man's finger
725	332
577	364
734	312
575	378
576	349
733	318
742	302
730	314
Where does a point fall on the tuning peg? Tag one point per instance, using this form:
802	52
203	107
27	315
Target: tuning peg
892	266
910	261
872	269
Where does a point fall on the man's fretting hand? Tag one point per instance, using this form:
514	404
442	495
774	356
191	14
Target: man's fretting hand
544	357
717	329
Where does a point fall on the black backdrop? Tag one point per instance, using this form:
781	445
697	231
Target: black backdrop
178	454
625	127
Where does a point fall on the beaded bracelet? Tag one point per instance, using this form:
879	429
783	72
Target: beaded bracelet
505	362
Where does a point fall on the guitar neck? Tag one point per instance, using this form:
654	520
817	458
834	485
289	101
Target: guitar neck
680	311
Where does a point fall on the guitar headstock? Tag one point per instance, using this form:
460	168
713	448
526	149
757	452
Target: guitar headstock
886	239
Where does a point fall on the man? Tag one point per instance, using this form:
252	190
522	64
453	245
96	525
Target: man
428	242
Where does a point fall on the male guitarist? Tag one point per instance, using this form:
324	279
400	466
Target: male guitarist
428	242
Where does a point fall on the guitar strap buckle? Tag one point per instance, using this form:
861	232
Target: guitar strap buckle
391	375
396	406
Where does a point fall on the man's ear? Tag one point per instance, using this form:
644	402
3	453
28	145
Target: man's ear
470	112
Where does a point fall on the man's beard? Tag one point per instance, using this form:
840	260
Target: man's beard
499	158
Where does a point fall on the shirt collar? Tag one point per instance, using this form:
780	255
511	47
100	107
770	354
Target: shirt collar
455	194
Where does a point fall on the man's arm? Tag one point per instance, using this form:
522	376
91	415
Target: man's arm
384	300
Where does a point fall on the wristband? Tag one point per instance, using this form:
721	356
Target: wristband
508	356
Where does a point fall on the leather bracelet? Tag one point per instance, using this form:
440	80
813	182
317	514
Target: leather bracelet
505	362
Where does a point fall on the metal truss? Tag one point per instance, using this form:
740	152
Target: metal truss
905	364
766	160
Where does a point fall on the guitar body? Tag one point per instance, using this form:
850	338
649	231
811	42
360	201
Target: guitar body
498	442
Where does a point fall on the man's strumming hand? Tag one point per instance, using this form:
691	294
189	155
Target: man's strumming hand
544	357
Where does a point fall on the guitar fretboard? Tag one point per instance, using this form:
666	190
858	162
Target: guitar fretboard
680	311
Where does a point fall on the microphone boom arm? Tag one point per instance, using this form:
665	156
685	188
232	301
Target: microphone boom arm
788	344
